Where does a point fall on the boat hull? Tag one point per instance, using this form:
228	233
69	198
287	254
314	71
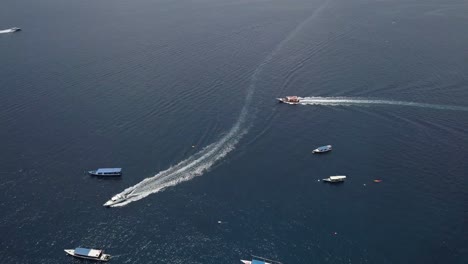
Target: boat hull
284	101
103	257
93	173
323	149
320	151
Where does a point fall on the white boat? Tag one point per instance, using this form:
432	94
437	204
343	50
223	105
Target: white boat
260	260
339	178
322	149
10	30
119	198
88	253
290	99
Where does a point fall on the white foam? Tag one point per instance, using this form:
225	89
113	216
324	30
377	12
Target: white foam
202	161
6	31
344	101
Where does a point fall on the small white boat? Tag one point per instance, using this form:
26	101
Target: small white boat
10	30
332	179
119	198
290	99
322	149
88	253
260	260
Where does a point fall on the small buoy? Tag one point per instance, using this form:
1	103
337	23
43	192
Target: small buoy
193	146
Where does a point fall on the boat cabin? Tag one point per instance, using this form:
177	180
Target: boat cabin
323	149
292	99
86	252
340	178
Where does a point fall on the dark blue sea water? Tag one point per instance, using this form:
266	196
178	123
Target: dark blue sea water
184	92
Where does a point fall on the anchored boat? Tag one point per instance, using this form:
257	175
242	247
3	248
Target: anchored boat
87	253
290	99
322	149
333	179
260	260
106	172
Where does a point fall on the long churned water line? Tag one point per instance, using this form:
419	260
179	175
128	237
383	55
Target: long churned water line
344	101
6	31
200	162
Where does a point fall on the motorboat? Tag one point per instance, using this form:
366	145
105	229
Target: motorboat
106	172
322	149
88	253
119	198
260	260
335	179
10	30
290	99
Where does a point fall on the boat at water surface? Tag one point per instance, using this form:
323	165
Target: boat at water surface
106	172
10	30
119	198
322	149
260	260
335	179
88	253
290	99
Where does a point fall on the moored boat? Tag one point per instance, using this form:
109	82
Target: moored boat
322	149
334	179
260	260
290	99
106	172
88	253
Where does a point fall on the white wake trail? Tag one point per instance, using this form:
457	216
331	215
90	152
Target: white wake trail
345	101
202	161
6	31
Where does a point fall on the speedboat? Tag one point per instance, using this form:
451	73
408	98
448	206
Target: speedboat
322	149
290	99
88	253
260	260
14	29
119	198
332	179
106	172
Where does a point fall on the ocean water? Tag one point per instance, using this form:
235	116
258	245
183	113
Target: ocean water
181	94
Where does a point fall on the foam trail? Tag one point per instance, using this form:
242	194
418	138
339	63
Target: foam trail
200	162
6	31
361	101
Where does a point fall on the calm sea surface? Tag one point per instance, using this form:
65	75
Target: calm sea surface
184	92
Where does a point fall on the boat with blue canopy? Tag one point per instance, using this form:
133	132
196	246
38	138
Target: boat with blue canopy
106	172
260	260
88	253
322	149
